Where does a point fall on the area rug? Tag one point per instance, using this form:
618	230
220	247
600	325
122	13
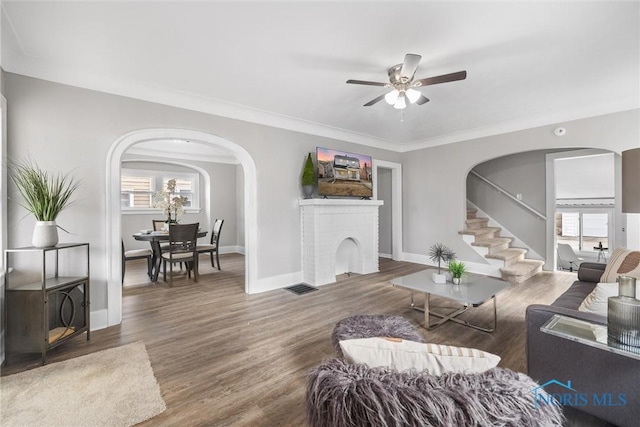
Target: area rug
114	387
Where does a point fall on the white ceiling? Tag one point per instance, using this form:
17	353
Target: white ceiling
285	63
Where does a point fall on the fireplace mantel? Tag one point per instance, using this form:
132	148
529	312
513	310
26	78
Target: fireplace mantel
339	202
326	224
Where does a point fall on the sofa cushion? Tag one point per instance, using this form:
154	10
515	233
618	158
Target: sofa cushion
404	355
574	296
622	262
597	302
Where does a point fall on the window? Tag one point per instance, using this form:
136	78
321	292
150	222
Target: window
137	188
136	191
584	230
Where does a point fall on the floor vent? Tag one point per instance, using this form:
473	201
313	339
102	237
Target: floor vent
300	289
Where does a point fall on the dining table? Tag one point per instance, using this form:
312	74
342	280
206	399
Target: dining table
155	238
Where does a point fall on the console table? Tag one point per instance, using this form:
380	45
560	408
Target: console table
44	313
591	334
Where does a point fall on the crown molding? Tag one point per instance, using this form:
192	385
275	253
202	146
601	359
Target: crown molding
194	102
627	104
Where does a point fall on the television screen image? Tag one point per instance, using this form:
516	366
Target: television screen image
342	174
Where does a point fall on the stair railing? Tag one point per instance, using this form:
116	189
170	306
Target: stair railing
510	196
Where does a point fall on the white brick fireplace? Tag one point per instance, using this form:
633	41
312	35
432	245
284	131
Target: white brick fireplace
338	232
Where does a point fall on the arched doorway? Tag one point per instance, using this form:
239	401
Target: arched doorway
113	226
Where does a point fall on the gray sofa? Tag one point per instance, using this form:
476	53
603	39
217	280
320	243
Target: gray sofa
590	370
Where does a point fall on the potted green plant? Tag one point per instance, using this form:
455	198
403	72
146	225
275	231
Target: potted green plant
440	253
457	269
308	178
45	196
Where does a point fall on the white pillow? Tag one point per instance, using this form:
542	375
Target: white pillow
402	355
597	301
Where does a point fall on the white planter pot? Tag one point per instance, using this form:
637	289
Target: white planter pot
456	280
307	190
439	278
45	234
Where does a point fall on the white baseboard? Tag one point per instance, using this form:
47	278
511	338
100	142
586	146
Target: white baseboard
277	282
385	256
232	250
99	319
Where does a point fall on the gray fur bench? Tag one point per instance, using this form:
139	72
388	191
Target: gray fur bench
342	394
377	325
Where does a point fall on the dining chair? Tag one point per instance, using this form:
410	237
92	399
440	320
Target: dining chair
213	246
183	241
567	258
133	254
158	225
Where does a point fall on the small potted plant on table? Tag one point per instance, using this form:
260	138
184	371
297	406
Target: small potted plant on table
457	269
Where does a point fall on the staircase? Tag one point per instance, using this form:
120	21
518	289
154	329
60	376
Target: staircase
516	267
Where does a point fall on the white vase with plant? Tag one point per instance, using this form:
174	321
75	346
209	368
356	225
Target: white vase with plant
171	202
45	196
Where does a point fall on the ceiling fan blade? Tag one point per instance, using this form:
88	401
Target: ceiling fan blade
422	100
375	100
363	82
460	75
409	66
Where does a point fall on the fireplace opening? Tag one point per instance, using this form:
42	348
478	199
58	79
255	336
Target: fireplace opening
347	257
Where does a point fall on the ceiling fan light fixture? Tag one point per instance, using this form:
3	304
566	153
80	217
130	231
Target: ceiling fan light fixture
413	95
392	97
400	103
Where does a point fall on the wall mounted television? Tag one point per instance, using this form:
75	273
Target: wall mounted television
342	174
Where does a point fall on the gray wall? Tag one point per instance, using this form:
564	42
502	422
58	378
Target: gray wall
384	212
239	206
435	178
64	128
585	177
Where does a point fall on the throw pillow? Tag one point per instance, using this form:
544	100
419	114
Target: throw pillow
622	262
597	301
402	355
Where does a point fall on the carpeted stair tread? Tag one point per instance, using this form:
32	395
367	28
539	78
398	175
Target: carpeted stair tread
517	268
522	268
507	253
491	243
481	231
476	223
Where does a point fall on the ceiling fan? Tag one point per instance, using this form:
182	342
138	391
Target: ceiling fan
402	84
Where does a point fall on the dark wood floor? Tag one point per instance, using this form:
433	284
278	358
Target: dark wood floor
224	358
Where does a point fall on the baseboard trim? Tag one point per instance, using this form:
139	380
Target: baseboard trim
232	250
99	319
389	256
277	282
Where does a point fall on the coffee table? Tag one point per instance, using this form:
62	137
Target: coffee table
473	292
